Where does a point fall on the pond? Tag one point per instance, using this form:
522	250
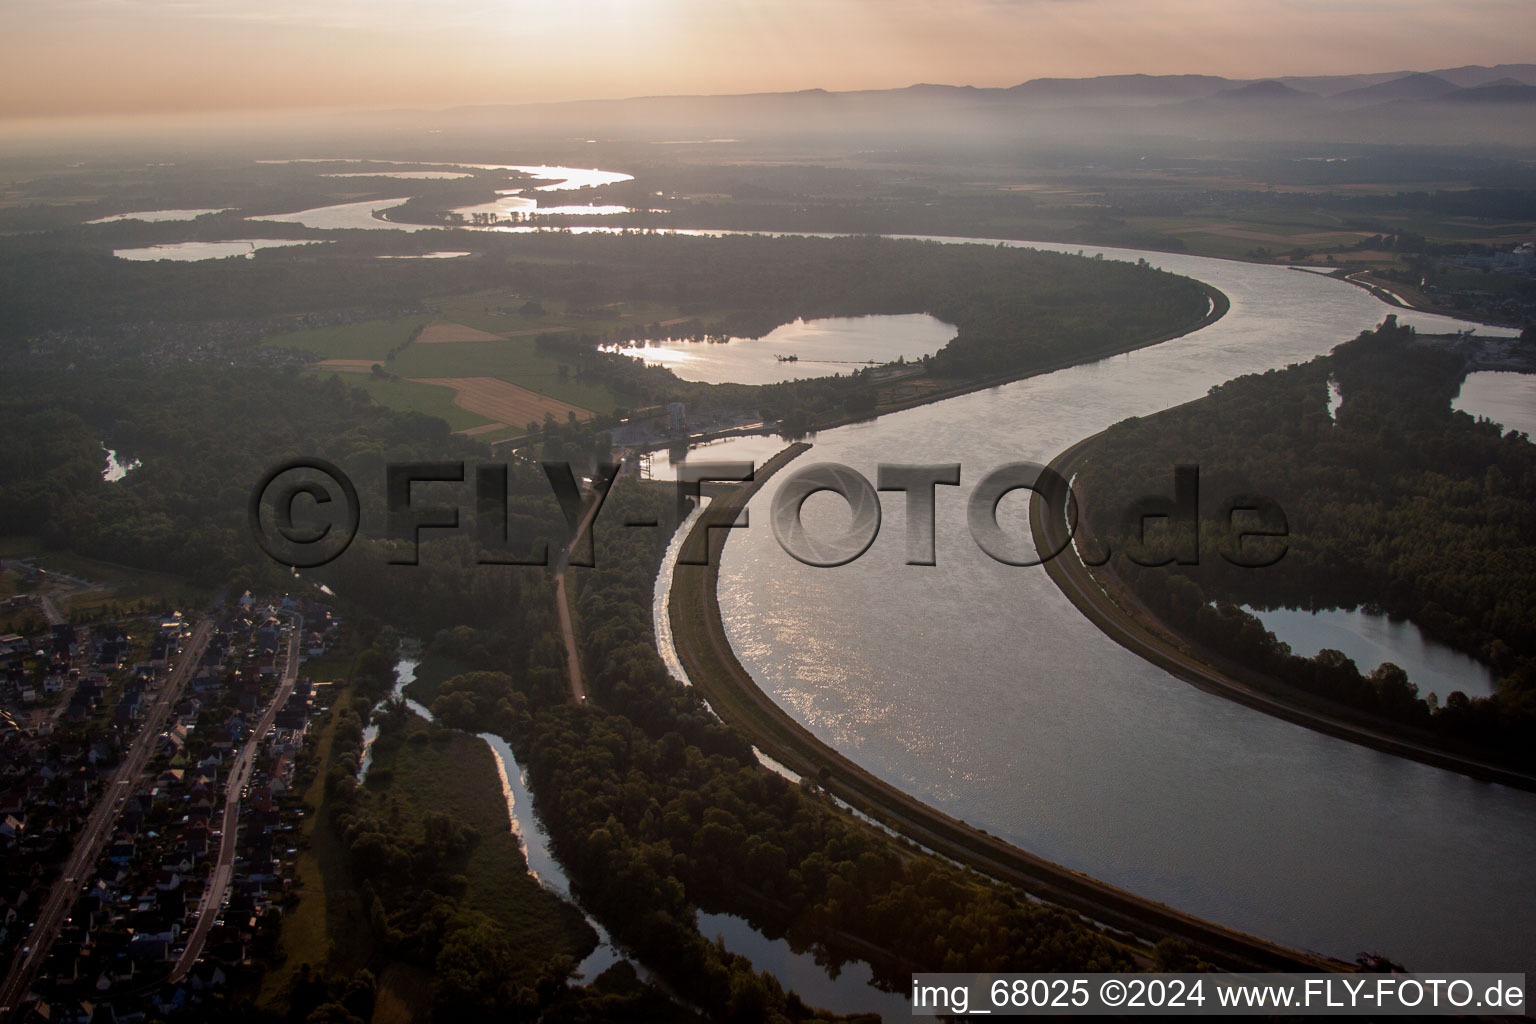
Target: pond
804	348
192	251
1507	398
851	991
116	470
355	216
404	175
156	216
1370	638
441	254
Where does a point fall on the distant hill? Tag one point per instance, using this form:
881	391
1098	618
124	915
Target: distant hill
1269	89
1127	87
1492	94
1453	106
1473	76
1410	87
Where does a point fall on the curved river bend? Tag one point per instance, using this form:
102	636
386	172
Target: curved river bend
979	688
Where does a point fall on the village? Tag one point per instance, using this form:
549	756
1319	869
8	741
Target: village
148	812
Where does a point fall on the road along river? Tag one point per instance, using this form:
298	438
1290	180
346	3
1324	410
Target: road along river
980	689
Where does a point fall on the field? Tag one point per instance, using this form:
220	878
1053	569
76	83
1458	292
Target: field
505	404
442	334
371	340
405	396
482	335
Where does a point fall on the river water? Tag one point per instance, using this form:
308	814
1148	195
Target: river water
980	688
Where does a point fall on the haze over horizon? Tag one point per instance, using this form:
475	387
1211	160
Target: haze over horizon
114	57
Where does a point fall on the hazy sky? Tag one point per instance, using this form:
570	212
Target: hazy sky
107	56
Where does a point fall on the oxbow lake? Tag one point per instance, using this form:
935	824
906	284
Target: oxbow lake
821	348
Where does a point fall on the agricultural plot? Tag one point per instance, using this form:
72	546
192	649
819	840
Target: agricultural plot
502	403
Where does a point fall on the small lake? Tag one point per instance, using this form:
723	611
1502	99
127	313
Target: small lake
404	175
346	216
155	216
1507	398
852	991
192	251
441	254
116	470
821	348
1371	638
560	179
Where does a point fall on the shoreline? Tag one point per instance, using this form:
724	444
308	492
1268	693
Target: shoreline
1187	661
1392	298
702	646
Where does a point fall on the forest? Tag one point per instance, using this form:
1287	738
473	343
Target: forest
1400	504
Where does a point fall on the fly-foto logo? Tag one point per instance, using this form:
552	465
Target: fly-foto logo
306	512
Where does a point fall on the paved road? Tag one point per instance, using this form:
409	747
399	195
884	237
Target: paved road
224	869
53	712
98	827
51	611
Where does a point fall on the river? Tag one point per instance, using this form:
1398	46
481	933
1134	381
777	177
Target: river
980	688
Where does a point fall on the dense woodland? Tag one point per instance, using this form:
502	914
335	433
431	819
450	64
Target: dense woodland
1401	505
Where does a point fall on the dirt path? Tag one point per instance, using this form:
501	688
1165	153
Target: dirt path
563	604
